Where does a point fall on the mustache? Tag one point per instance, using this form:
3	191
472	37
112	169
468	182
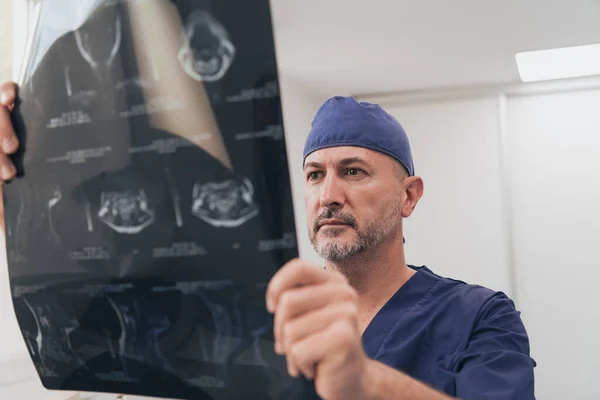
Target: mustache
329	214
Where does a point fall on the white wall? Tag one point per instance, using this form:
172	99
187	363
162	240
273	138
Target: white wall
555	155
458	228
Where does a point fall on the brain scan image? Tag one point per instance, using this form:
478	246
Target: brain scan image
207	52
126	211
224	204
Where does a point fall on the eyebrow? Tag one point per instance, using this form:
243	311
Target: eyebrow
344	162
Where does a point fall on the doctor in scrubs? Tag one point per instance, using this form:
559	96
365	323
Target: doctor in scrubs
367	325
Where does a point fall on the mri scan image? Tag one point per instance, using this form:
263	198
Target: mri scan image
48	339
98	44
207	52
226	204
100	54
17	223
125	211
33	225
143	322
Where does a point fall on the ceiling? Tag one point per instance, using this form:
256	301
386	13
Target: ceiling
374	46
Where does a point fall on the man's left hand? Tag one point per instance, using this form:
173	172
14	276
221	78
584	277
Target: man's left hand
316	327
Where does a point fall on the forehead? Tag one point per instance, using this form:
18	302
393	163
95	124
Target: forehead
335	155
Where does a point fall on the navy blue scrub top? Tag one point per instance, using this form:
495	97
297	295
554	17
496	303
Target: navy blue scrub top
464	340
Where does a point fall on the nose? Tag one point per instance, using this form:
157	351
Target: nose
332	193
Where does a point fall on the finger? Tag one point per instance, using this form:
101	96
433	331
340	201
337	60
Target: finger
296	302
308	324
332	344
291	367
293	274
8	94
7	169
8	138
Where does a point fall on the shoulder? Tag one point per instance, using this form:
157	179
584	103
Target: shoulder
469	298
493	358
474	309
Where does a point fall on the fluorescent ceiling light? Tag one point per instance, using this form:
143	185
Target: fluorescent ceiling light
566	62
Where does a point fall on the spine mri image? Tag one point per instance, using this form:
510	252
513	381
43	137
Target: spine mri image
153	201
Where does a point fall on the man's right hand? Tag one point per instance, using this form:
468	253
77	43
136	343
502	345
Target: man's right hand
8	138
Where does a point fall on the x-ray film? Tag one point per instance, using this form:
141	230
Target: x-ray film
153	201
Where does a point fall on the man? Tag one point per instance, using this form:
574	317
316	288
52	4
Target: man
369	326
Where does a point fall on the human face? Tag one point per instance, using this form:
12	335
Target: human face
353	200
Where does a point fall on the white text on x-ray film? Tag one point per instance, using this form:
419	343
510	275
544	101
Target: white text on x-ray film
89	253
153	106
125	211
70	118
208	382
21	290
268	91
118	287
182	249
116	376
170	145
226	204
198	286
207	52
288	241
274	132
80	156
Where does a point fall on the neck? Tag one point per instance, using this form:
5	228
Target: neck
376	275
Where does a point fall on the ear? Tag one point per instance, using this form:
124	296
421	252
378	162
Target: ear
413	188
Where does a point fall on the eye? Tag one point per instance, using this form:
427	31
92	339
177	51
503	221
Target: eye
354	171
313	175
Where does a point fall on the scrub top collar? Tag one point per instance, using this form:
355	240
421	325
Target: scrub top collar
409	296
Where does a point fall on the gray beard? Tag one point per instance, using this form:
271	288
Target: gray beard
371	236
338	250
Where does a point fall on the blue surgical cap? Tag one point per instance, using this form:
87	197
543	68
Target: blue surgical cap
343	121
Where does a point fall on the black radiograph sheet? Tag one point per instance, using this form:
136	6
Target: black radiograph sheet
153	201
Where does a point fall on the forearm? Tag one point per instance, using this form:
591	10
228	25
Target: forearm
386	383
